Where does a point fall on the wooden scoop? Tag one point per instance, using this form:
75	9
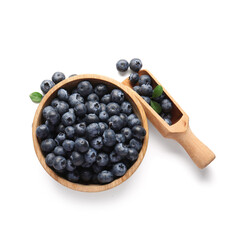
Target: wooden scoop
179	130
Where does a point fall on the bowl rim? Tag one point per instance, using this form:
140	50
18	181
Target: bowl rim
90	187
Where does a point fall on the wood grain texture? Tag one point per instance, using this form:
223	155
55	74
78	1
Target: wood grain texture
70	83
179	130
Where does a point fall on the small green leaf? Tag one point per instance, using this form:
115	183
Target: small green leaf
156	106
36	97
157	92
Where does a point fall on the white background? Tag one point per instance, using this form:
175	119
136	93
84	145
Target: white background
193	48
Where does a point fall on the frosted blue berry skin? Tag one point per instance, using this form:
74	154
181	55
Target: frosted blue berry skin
119	169
122	65
136	64
105	177
58	77
46	85
42	131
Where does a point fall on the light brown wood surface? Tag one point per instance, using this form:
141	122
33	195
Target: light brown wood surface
70	83
179	130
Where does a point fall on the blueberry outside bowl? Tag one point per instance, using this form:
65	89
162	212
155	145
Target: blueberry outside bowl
71	83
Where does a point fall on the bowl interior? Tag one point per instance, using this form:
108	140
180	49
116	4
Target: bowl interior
70	84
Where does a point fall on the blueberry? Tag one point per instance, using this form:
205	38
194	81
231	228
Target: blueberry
109	138
131	116
77	158
105	177
147	99
42	131
55	102
46	85
81	145
75	99
53	117
90	156
94	178
134	143
60	138
48	145
97	143
168	121
126	108
117	96
84	88
145	79
107	149
46	110
127	132
101	90
59	163
138	132
119	169
134	78
106	99
60	128
134	122
62	94
59	151
70	132
137	89
68	145
86	175
49	159
50	126
114	157
93	130
103	127
122	65
91	118
136	64
115	123
120	138
102	159
62	107
166	105
70	167
124	117
96	168
73	176
93	97
132	154
146	90
72	75
58	77
68	118
103	106
166	115
113	109
121	149
93	107
103	116
80	109
80	129
71	110
160	98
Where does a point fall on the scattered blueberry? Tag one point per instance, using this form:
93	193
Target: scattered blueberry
102	159
132	154
137	89
80	109
135	64
101	90
146	90
93	97
126	108
75	99
68	145
59	151
106	99
59	163
127	133
122	65
121	149
90	156
91	118
80	129
93	107
147	99
109	138
134	143
48	145
58	77
113	109
70	167
68	118
97	143
46	85
77	158
73	176
86	175
117	96
114	157
138	132
103	116
49	159
70	132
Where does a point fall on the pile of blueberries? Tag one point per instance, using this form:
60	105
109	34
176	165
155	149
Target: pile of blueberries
143	86
90	135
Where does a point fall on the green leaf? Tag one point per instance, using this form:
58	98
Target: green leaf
156	106
157	92
36	97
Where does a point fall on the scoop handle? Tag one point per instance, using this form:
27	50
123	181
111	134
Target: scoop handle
198	151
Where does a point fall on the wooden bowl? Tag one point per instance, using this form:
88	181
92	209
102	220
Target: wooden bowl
70	83
179	130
